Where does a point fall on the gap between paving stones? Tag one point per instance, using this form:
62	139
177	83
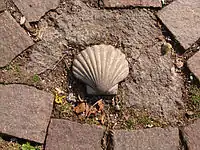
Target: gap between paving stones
183	141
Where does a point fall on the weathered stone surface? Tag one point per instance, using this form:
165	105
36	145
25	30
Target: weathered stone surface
155	85
194	64
25	111
152	83
182	18
192	135
33	10
13	39
67	135
147	139
44	56
124	3
2	5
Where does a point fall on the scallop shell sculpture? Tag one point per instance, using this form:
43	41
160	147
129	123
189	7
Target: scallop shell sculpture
101	67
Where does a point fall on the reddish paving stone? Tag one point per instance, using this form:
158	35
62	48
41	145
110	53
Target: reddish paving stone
33	10
67	135
192	135
125	3
13	38
25	111
147	139
2	5
194	64
182	17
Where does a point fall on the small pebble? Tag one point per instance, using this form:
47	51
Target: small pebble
190	113
13	139
163	2
59	91
71	97
168	38
149	125
22	20
191	77
117	107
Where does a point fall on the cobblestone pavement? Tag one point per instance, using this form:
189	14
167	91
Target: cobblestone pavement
153	84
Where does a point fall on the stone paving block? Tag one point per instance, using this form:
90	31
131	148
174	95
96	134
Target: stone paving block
194	64
2	5
182	17
67	135
25	111
33	10
44	56
125	3
147	139
13	39
192	135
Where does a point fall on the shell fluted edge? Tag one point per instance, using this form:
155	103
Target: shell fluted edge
101	67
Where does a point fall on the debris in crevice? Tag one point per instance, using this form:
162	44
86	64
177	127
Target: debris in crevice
107	140
183	141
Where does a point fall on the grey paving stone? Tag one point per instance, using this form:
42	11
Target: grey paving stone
2	5
192	135
13	39
147	139
44	56
182	17
67	135
25	111
33	10
194	64
124	3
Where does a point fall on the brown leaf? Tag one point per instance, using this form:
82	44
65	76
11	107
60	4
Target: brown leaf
102	118
80	108
87	109
93	110
100	104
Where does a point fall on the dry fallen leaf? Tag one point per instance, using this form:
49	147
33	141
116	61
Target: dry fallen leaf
100	105
87	109
80	108
179	63
102	117
93	110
